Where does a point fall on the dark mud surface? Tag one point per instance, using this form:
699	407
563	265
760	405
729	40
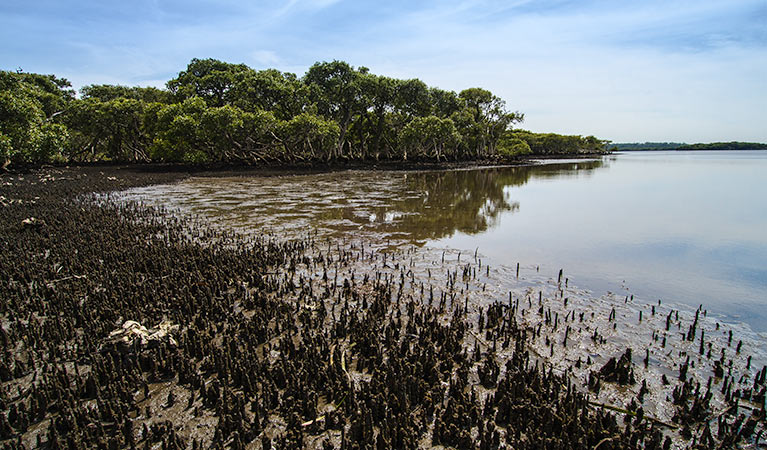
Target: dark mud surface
125	326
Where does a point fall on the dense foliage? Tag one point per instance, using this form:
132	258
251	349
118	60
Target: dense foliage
637	146
29	104
220	112
725	146
526	142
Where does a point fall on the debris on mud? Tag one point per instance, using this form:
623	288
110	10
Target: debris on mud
132	334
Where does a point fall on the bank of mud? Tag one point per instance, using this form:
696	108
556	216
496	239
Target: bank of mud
124	326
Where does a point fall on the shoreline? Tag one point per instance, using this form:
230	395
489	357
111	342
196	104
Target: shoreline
297	168
457	410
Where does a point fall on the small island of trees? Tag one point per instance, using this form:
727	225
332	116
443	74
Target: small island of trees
218	112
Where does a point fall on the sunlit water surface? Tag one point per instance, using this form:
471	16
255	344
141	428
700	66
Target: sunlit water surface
684	227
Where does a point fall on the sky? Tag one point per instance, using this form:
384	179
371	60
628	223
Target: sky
627	71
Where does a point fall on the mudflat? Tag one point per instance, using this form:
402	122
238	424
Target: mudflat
125	326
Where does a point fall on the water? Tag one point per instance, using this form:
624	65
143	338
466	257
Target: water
682	227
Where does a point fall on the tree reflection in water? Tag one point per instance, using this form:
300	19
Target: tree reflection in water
398	207
435	204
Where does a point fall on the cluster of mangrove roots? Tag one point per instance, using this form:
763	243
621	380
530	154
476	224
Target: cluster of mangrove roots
124	327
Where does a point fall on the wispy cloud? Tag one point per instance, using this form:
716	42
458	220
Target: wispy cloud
266	58
652	69
294	5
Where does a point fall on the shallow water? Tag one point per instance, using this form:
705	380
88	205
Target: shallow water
628	231
679	227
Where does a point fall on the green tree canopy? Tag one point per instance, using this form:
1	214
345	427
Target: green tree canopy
107	92
336	89
210	79
430	137
214	111
29	106
270	90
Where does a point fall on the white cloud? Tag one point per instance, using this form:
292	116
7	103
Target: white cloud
293	6
588	72
660	70
265	58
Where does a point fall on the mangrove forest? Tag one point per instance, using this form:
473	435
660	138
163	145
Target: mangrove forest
218	112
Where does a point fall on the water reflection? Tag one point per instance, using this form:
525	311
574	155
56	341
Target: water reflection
382	206
470	201
654	224
432	205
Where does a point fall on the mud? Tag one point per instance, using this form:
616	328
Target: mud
310	341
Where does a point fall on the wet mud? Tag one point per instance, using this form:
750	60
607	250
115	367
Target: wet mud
125	325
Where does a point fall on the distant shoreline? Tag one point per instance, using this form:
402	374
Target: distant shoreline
679	146
689	150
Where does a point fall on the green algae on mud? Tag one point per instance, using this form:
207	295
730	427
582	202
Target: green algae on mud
306	342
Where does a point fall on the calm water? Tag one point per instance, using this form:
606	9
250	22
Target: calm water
688	227
682	227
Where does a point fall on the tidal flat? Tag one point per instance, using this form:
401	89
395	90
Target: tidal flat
129	324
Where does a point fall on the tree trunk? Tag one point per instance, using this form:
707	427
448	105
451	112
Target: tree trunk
379	132
344	125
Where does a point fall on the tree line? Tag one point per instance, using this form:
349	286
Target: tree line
725	146
218	112
643	146
647	146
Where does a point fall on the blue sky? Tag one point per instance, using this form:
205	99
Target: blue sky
651	70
